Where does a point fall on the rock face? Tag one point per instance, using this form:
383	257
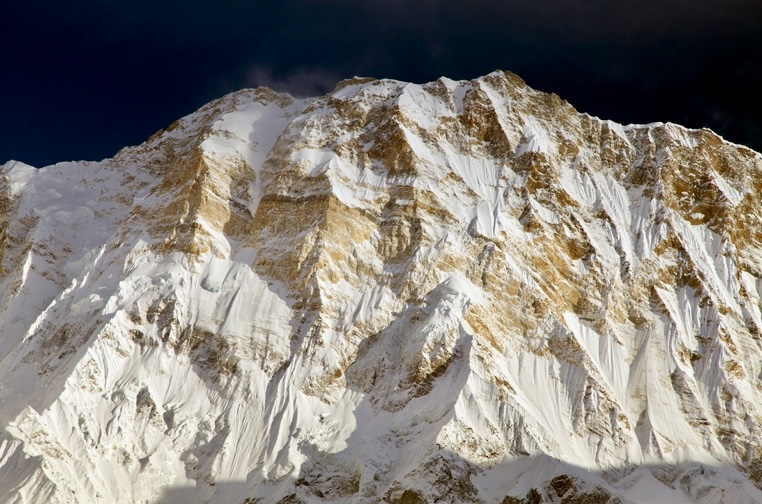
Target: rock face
449	292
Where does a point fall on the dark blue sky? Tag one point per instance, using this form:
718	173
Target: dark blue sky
81	79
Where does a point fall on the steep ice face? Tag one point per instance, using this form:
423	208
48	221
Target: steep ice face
456	291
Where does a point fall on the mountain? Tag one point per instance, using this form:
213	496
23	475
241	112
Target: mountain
450	292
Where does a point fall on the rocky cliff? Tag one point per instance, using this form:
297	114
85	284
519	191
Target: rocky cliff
450	292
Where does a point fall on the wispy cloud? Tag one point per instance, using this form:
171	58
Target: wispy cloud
300	83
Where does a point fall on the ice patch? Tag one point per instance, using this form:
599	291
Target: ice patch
535	139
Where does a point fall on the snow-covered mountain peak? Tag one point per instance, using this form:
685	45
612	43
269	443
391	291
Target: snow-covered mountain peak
460	291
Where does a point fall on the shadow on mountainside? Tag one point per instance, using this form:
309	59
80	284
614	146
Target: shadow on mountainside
396	458
525	480
393	454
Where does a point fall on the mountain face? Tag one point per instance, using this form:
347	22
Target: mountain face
449	292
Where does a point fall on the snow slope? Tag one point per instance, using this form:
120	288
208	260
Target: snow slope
450	292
